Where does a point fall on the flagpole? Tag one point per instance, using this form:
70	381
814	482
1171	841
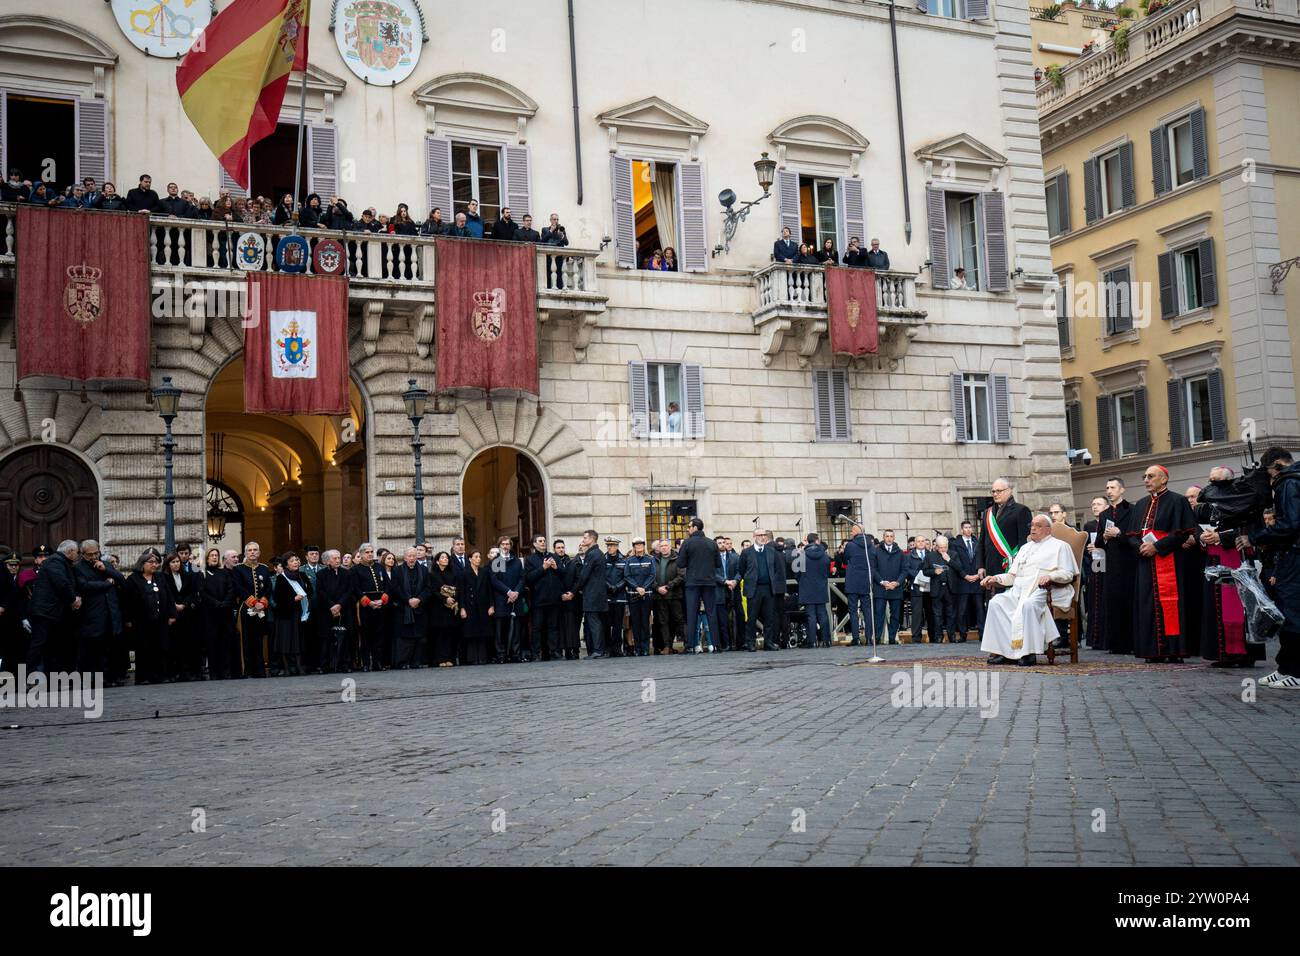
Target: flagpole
297	166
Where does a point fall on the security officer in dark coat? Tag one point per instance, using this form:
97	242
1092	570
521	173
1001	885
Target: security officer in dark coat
617	586
545	580
889	576
591	581
54	598
727	596
1283	538
508	586
763	571
639	579
917	563
698	561
569	610
861	582
814	590
97	632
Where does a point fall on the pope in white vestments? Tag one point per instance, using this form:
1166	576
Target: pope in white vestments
1018	622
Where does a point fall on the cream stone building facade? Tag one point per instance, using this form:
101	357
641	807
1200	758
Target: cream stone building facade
670	109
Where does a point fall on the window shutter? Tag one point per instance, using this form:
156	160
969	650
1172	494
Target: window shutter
1143	425
855	214
1106	426
1160	159
1063	201
1218	411
977	9
787	183
840	404
1168	300
1177	414
638	398
1119	295
691	229
997	269
694	385
519	181
937	213
1091	191
1063	316
1074	424
823	414
1209	279
1001	408
620	175
228	183
437	176
958	396
92	140
1200	154
1126	175
322	161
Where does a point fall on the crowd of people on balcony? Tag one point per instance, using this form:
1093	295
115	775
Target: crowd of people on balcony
316	212
790	252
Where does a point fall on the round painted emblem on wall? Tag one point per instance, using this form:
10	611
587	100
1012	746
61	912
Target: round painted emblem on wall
379	40
328	257
162	27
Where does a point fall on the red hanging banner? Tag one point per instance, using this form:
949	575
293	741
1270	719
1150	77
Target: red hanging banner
83	294
487	315
296	345
851	294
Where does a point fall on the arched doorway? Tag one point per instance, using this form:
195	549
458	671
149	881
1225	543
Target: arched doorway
299	479
502	493
47	495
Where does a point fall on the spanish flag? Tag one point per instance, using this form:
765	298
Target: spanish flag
232	81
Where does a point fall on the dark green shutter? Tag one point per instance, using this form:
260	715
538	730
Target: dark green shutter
1177	414
1106	426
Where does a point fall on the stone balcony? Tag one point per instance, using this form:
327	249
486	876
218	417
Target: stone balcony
386	273
1153	37
793	299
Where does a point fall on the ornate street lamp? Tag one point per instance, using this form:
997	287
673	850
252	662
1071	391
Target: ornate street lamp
765	170
167	399
416	400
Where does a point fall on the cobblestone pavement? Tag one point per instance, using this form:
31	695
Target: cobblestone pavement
575	766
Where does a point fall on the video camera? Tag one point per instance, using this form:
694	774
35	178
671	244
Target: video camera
1237	505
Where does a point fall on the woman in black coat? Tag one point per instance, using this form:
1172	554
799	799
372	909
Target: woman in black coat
476	602
444	612
146	618
181	592
289	594
828	255
217	612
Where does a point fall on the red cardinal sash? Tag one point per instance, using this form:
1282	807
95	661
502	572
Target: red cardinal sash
1167	587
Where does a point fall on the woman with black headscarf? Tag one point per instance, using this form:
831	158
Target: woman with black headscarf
444	612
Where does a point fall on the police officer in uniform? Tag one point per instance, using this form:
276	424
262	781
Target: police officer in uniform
639	576
616	586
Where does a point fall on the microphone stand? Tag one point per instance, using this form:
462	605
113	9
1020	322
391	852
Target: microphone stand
875	658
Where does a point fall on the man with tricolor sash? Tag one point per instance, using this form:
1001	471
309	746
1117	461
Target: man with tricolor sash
1041	575
1163	630
1004	527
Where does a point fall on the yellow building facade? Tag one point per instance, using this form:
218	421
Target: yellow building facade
1171	162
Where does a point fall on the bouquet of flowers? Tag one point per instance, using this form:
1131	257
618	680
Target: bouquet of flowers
255	607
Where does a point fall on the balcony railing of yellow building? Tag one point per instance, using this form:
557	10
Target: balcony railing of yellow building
1151	37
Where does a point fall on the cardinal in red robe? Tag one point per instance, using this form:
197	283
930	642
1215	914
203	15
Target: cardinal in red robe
1159	524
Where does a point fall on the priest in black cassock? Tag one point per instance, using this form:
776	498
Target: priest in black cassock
1094	580
1164	624
1120	568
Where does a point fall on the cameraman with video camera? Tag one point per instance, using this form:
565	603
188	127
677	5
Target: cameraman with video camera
1283	534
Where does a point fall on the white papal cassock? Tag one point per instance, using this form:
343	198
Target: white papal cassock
1019	621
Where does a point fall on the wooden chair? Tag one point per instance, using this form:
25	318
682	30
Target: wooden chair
1076	540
